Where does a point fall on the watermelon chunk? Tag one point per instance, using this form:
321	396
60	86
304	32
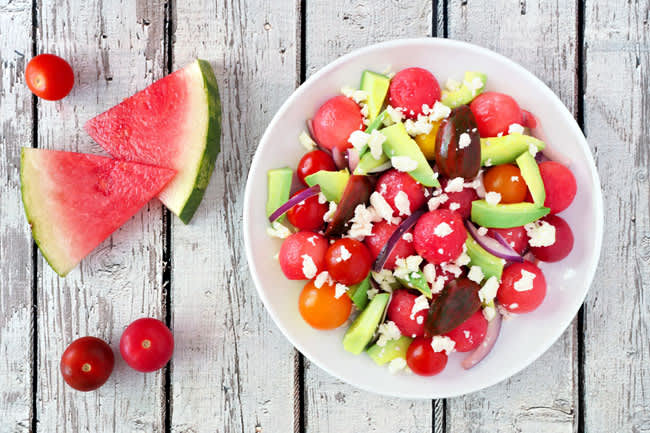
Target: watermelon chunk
173	123
73	201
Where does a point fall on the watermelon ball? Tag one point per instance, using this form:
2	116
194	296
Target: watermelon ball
469	334
522	289
400	312
394	182
494	113
459	201
411	88
302	255
335	120
560	185
516	237
381	232
563	241
439	236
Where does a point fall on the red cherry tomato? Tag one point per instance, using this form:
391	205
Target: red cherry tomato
297	253
494	113
459	201
335	120
560	185
515	294
147	345
49	77
400	312
529	120
314	161
348	261
411	88
321	309
563	241
422	360
308	214
381	232
506	180
439	235
516	237
87	363
470	333
391	183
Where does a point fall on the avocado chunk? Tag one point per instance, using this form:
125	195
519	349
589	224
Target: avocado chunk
368	164
506	216
279	187
417	281
359	293
393	349
361	331
376	124
473	85
490	265
376	85
530	172
332	183
504	149
399	143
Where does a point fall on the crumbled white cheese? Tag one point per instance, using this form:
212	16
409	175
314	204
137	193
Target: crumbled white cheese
532	149
403	267
525	283
309	268
455	185
500	134
488	162
359	139
489	290
441	251
420	303
345	253
321	198
514	306
357	96
482	231
385	279
375	143
306	141
362	222
489	313
408	237
443	229
438	285
402	203
321	279
541	233
429	271
277	230
371	293
396	365
393	116
312	240
330	212
454	206
474	86
387	331
440	343
463	259
364	110
451	268
452	85
515	128
382	207
404	163
464	140
475	274
440	111
437	200
421	126
340	290
347	91
492	198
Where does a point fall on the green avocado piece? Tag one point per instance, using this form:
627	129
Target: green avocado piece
279	187
393	349
363	328
376	124
332	183
417	281
506	215
399	143
504	149
491	265
368	163
467	91
359	293
376	85
530	172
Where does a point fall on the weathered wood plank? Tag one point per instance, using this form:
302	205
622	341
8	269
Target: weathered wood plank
115	49
15	240
542	37
233	370
333	29
617	310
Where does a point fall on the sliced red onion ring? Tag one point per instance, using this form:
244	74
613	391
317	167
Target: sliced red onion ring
493	246
302	195
353	158
493	330
549	151
392	241
500	239
339	158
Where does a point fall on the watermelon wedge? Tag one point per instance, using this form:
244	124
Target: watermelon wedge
173	123
73	201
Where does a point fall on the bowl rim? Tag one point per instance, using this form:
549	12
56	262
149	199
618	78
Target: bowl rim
558	104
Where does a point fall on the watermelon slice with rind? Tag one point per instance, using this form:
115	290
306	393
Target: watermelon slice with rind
73	201
173	123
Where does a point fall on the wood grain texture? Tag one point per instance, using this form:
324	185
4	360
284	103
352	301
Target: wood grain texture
115	49
542	37
233	370
15	240
333	29
617	125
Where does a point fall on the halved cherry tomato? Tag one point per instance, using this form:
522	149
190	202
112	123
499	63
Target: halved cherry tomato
335	120
49	77
494	113
348	261
321	309
470	333
423	360
308	214
87	363
563	241
515	294
314	161
297	253
147	345
506	180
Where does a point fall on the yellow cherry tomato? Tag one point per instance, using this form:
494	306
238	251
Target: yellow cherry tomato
427	142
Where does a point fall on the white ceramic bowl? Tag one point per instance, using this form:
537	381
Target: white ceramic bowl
522	339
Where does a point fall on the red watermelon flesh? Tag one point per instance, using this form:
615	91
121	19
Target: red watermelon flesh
74	201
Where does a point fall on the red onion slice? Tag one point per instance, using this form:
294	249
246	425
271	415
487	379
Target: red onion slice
302	195
549	151
493	246
339	158
392	240
353	158
529	257
493	330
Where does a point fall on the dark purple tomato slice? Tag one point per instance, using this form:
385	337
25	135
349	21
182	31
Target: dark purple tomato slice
458	145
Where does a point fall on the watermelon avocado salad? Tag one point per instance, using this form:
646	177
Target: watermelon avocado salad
421	217
165	140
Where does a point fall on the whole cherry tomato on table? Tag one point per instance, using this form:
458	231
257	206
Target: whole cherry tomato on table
49	77
87	363
147	345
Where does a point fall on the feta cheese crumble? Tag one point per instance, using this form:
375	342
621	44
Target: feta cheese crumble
312	240
514	178
492	198
371	293
408	237
358	140
532	149
454	206
375	143
362	222
396	365
451	268
385	279
394	116
321	279
404	267
515	128
404	163
452	85
440	111
540	233
525	283
306	141
330	212
489	313
429	271
482	231
321	198
464	140
440	343
340	290
443	229
277	230
475	274
345	254
455	185
488	292
438	285
421	126
309	269
435	201
402	203
357	96
387	331
421	303
382	207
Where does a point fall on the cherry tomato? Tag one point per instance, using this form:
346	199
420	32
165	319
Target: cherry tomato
515	293
381	232
400	312
470	333
439	236
348	261
422	360
335	120
314	161
528	119
516	237
459	201
411	88
49	77
560	185
494	113
391	183
147	345
321	309
563	241
87	363
308	214
506	180
299	251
